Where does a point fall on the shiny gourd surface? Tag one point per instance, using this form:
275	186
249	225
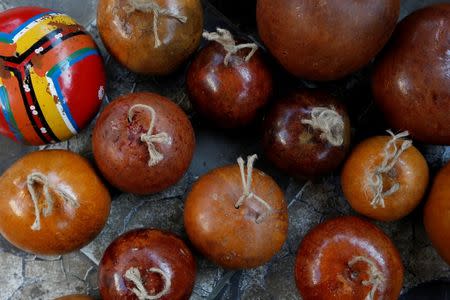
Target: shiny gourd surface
67	227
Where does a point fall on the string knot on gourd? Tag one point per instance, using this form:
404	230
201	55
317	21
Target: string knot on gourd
329	122
149	138
225	38
151	6
133	275
391	156
376	278
247	192
47	209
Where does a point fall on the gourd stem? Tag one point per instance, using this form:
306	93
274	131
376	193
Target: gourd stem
47	210
151	6
391	156
329	122
225	38
149	138
133	275
247	186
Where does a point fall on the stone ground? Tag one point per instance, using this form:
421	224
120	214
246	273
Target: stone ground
24	276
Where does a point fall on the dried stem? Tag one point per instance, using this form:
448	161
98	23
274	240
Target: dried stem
150	138
247	186
329	122
392	155
376	278
225	38
151	6
133	275
47	210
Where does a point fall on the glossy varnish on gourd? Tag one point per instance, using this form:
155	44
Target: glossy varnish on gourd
145	249
411	81
296	147
123	158
128	35
325	40
229	95
410	172
324	268
233	237
68	227
52	77
437	213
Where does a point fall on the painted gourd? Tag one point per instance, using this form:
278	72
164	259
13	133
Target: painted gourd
51	76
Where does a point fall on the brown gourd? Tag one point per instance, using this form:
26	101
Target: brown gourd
348	258
411	82
328	39
52	203
236	216
150	36
307	133
143	143
437	213
385	177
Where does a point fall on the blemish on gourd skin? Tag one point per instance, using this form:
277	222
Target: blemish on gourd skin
153	143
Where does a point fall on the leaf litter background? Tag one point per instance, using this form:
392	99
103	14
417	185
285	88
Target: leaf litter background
25	276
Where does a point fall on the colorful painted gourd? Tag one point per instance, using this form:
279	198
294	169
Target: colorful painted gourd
51	76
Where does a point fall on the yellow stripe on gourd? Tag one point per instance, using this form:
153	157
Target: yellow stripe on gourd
48	107
41	29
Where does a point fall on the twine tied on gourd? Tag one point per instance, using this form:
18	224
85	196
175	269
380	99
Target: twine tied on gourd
329	122
225	38
47	209
149	138
391	156
151	6
133	275
376	278
247	192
